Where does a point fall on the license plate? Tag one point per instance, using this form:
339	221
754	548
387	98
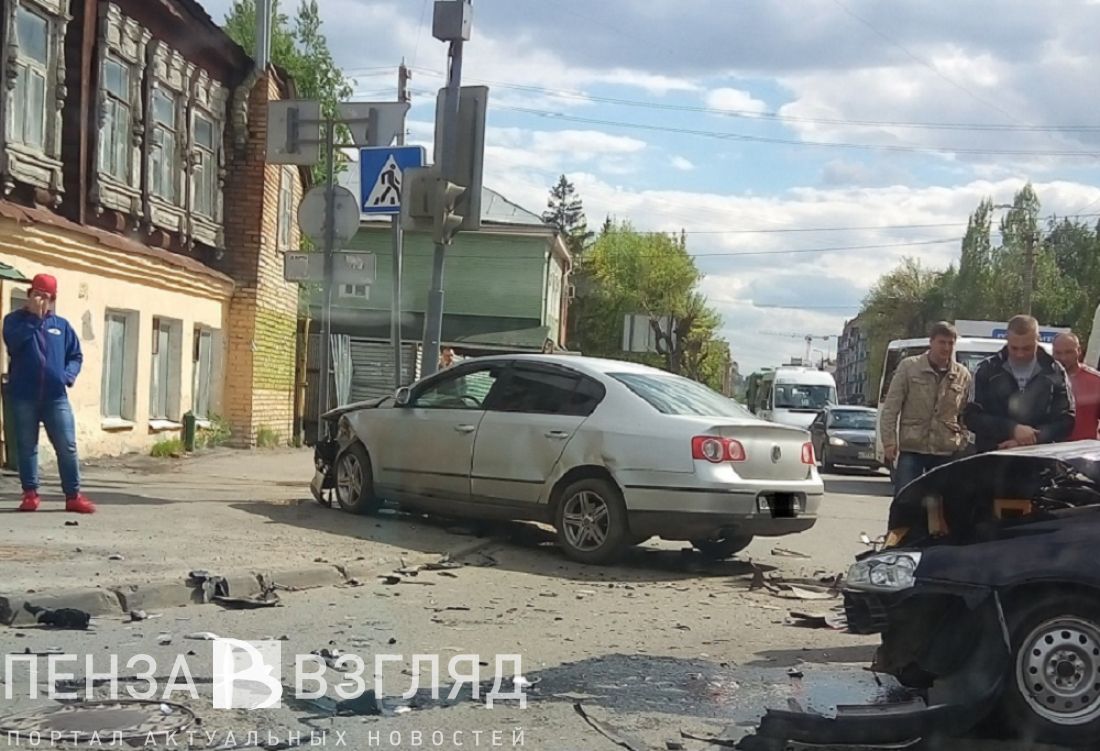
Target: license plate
866	455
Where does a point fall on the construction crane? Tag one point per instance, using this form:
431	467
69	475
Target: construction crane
808	338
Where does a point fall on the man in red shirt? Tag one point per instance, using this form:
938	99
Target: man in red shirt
1085	383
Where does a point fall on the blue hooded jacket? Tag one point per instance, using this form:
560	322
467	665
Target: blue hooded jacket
45	356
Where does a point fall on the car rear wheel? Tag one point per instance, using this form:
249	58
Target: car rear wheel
591	522
719	550
355	482
1053	694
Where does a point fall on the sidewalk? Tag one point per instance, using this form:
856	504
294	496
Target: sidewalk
232	513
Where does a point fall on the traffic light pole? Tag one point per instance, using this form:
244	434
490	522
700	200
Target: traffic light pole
445	158
329	245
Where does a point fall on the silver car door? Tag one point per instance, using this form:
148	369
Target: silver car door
532	416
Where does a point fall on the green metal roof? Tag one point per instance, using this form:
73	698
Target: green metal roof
11	273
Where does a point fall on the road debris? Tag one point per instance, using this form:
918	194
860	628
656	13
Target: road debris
63	618
788	553
72	524
728	738
265	600
115	557
615	736
833	619
164	640
138	615
202	636
211	585
364	704
795	673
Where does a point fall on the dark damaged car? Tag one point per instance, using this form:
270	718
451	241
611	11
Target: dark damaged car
986	595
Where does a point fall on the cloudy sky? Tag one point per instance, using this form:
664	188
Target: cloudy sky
804	146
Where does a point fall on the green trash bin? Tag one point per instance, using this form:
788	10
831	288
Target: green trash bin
189	427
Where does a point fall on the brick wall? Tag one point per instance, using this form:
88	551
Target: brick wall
259	388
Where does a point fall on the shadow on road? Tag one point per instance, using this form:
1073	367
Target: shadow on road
514	546
859	483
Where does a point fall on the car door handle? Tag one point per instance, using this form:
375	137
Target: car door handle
557	434
465	428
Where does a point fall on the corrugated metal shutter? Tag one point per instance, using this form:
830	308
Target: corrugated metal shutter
372	368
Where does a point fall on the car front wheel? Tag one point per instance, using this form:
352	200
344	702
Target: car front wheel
591	522
1053	694
355	482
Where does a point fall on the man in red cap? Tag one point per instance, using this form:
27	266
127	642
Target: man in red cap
45	361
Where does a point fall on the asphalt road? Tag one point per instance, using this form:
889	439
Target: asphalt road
662	644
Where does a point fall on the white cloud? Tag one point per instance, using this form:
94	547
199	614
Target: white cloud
682	163
735	100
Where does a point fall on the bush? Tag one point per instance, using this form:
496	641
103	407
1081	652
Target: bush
168	447
218	434
266	438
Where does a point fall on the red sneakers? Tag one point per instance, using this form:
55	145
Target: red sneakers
78	504
30	501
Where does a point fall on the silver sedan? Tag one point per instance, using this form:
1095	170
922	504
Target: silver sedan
610	453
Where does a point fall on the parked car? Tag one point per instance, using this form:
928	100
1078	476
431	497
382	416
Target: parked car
845	436
610	453
987	593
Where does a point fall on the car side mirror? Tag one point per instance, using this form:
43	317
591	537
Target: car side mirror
403	396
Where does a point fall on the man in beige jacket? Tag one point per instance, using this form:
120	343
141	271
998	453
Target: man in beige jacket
919	419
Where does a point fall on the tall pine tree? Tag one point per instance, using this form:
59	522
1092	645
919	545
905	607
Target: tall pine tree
565	213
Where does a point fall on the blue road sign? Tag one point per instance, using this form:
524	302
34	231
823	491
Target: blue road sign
380	171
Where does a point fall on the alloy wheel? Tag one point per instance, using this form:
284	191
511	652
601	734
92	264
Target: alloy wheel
586	521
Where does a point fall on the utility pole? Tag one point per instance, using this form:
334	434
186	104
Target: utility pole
1029	269
328	249
398	239
445	157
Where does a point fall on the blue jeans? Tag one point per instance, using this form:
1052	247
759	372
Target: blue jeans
910	466
57	416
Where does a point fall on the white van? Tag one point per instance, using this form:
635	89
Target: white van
795	395
969	351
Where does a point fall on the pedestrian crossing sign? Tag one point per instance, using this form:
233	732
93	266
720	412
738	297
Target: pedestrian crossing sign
380	171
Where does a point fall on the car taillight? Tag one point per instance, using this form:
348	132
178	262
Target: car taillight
808	454
716	450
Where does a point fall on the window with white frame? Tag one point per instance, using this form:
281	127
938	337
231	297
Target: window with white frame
115	149
32	71
204	175
354	290
164	377
164	161
202	369
287	209
119	365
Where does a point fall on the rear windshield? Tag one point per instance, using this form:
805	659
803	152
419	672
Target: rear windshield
673	395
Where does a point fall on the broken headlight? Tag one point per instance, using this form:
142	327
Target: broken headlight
889	572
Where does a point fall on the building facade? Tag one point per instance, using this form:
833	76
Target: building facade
132	169
852	360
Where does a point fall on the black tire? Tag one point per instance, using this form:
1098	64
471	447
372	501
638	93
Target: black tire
826	465
720	550
355	481
583	502
1065	630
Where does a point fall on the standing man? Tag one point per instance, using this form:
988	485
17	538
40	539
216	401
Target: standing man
1085	384
1021	395
919	419
45	361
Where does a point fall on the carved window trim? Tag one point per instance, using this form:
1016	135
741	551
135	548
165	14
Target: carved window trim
39	167
122	40
208	100
167	71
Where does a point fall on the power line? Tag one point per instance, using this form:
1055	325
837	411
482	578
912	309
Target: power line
754	115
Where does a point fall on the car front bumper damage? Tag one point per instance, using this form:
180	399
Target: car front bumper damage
964	637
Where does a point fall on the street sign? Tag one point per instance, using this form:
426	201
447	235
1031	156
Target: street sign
294	132
347	268
373	123
380	172
311	215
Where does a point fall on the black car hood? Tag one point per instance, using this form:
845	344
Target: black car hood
1053	476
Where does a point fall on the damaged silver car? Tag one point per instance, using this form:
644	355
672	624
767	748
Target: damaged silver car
610	453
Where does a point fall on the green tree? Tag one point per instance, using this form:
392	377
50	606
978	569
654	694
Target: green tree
565	213
302	51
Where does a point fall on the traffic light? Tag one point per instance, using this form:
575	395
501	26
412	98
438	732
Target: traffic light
446	220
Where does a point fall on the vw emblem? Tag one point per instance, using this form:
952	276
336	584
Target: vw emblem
777	454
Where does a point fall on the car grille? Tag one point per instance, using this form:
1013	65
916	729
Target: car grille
866	613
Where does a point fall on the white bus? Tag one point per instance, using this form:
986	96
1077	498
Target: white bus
795	395
969	351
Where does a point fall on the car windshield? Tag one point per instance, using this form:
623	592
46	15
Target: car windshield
853	419
971	360
673	395
803	396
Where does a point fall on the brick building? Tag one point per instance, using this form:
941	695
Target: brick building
132	168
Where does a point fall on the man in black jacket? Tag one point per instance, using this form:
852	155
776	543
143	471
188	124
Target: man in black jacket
1021	395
